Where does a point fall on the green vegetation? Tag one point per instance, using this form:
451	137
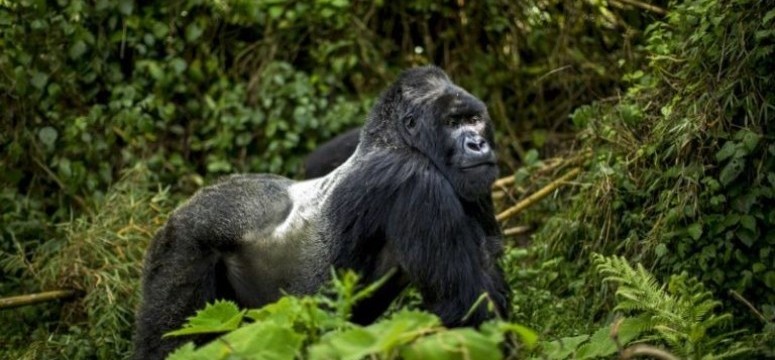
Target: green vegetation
682	170
304	326
114	111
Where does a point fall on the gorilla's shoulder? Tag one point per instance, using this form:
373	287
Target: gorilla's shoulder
235	195
249	183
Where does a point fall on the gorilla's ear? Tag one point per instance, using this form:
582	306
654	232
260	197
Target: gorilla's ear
410	123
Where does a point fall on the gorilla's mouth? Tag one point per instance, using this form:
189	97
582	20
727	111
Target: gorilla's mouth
477	165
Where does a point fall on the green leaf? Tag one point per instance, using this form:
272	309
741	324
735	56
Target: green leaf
285	310
220	316
193	32
218	165
78	49
747	237
275	11
630	328
48	136
600	344
185	352
464	343
527	336
39	79
351	344
731	171
768	17
255	341
178	65
660	250
749	140
769	279
563	348
379	338
726	151
695	230
531	157
126	7
748	222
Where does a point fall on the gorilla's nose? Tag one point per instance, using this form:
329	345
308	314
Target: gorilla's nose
476	145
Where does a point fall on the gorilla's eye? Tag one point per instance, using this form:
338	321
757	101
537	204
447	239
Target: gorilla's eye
457	120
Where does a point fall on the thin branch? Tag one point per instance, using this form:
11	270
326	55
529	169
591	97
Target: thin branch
645	6
503	182
538	195
497	195
647	350
517	230
739	297
30	299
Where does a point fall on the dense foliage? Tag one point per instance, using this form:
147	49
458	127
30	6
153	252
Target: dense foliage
682	175
115	110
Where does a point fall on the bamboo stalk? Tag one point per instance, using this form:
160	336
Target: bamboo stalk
639	350
517	230
538	195
645	6
504	181
29	299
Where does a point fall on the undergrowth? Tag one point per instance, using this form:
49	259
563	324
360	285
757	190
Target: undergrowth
101	257
679	319
682	169
318	327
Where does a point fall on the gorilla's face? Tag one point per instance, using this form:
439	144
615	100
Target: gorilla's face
468	153
453	129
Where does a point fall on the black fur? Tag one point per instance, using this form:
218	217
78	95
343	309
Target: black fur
331	154
415	196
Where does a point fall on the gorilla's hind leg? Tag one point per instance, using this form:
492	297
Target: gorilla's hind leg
179	278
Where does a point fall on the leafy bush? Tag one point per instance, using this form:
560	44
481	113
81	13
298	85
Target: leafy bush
317	327
204	87
683	170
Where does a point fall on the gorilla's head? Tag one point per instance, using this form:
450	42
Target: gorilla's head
424	112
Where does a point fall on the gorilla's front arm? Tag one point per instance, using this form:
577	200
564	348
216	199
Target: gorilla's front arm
464	265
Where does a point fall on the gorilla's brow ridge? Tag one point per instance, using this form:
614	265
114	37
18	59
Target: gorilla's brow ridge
433	87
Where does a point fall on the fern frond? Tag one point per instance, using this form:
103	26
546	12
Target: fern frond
680	313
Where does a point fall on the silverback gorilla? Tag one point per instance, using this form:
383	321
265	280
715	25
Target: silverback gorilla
415	196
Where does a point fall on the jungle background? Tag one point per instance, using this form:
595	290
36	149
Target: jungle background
635	141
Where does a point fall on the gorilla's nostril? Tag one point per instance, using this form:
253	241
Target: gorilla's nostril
476	144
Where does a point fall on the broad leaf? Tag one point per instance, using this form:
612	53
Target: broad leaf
221	316
464	343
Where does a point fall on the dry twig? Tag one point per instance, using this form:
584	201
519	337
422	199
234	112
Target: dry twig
30	299
538	195
645	6
517	230
756	312
646	350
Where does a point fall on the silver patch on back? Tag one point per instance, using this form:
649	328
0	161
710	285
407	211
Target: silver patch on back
269	263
